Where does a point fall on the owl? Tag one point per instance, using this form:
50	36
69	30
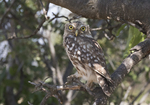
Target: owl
87	56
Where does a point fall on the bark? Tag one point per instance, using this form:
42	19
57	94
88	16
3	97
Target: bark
135	11
141	51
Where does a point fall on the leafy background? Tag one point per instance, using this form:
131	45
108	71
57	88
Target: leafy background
43	55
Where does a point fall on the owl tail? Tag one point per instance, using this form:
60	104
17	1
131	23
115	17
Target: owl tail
106	85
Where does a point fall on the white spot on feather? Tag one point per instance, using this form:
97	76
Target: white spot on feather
89	45
79	58
73	44
102	54
89	36
75	56
101	82
70	48
83	50
70	36
95	60
90	65
75	39
78	52
98	58
84	47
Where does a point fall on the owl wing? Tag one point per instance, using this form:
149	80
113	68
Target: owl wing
96	61
95	56
99	64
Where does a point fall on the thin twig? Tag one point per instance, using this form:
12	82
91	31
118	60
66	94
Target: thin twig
108	27
144	97
29	103
37	29
26	37
44	10
128	91
7	11
53	90
45	98
142	90
69	87
108	36
131	86
56	16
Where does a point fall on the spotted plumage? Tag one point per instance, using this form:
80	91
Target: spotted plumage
86	55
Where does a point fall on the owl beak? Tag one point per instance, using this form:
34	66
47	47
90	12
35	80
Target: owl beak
76	32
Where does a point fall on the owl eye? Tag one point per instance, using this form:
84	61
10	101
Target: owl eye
70	27
82	28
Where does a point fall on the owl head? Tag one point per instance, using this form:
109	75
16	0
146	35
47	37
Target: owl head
77	29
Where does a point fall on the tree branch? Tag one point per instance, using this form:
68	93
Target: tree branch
53	90
140	52
135	11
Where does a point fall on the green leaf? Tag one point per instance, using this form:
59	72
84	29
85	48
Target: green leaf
134	37
147	69
120	29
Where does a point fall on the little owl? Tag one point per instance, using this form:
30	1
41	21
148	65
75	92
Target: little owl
86	55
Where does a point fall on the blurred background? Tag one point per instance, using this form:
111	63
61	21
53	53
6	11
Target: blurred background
42	55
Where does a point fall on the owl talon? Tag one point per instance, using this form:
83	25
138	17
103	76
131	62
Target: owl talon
66	83
71	78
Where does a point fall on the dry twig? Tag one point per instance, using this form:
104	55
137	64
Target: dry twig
7	11
54	91
44	10
108	27
140	93
37	29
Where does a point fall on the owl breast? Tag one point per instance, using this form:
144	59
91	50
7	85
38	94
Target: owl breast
78	50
